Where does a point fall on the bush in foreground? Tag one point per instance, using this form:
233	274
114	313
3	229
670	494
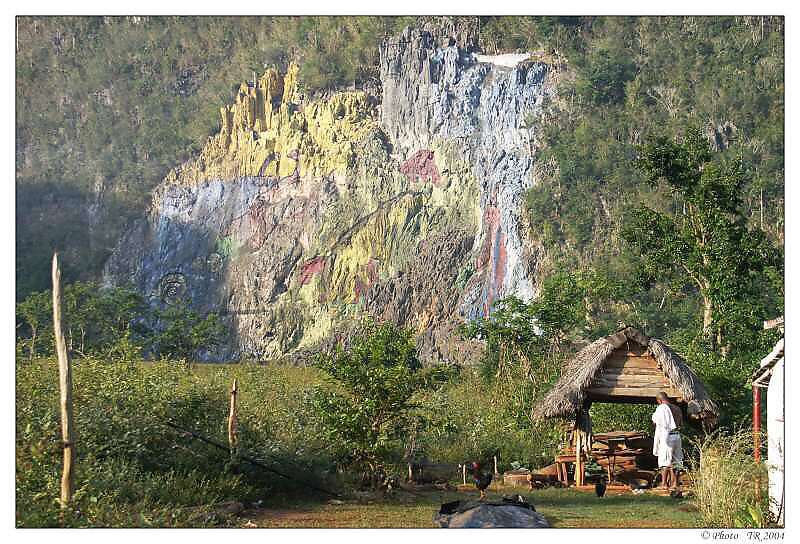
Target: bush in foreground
367	407
730	487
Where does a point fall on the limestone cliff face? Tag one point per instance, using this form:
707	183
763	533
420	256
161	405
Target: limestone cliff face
300	216
433	95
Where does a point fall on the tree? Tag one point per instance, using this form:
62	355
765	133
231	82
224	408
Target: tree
375	381
95	318
517	330
180	332
34	314
115	322
707	244
602	80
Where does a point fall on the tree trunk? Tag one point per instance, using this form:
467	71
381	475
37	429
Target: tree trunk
33	343
707	315
724	349
708	321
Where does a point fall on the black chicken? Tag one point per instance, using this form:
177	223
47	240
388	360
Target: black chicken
480	479
600	488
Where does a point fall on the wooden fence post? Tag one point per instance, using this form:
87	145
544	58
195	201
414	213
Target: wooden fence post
65	386
233	438
757	436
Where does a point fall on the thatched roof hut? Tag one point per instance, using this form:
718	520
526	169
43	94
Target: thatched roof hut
627	367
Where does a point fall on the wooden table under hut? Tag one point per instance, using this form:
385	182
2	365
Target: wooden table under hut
625	367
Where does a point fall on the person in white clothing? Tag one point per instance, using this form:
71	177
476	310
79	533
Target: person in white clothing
667	441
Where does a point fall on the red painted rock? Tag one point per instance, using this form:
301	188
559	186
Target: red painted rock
310	269
421	167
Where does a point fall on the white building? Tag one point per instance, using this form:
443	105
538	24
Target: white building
769	375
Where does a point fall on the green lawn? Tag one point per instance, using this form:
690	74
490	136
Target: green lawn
561	507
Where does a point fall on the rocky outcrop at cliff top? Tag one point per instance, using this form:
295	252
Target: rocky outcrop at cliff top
300	216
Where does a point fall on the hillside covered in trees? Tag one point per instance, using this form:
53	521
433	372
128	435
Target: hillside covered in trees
106	106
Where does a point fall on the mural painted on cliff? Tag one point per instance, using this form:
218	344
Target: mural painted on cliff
214	262
365	280
421	166
251	227
491	262
296	213
173	288
310	269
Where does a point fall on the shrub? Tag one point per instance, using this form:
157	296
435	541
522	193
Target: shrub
181	333
472	419
115	323
730	487
96	318
366	410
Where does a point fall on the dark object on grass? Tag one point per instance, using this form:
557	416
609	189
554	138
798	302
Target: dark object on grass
513	512
480	479
638	479
676	494
600	488
543	477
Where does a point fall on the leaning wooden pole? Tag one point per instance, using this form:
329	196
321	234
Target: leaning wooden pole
233	437
65	386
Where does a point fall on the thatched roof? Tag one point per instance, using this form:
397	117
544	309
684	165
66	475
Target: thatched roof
569	393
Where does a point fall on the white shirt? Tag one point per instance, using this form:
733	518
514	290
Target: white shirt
664	421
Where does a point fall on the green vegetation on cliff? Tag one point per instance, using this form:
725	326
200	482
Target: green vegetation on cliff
635	78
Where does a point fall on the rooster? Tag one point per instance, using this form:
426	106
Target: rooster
480	479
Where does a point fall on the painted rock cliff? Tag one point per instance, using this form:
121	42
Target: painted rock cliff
300	215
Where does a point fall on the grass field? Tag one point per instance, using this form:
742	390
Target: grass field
563	508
